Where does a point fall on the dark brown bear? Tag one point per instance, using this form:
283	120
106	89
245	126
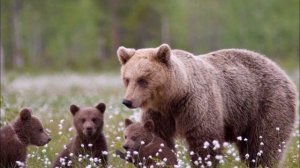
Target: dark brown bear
16	136
89	140
217	96
144	148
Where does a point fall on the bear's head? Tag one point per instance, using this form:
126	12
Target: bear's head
145	74
30	130
137	134
88	121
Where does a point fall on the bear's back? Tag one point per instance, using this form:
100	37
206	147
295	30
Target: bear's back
12	149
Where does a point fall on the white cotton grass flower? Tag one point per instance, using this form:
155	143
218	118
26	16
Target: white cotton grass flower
247	156
82	145
209	163
192	153
162	145
239	138
206	145
20	164
135	152
104	152
216	144
277	128
225	144
142	142
90	145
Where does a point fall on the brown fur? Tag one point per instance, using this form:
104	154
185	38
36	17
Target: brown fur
137	132
89	125
216	96
16	136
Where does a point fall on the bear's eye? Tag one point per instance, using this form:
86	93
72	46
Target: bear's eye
82	120
133	138
142	82
126	81
125	137
94	120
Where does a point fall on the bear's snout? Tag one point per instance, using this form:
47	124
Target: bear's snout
127	103
126	147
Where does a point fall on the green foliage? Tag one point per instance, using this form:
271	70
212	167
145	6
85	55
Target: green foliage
83	35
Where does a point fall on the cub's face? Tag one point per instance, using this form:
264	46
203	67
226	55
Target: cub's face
145	74
135	133
34	128
88	121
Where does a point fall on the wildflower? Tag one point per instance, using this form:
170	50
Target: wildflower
247	156
165	159
192	153
239	138
209	163
205	145
82	145
106	153
90	145
135	152
142	142
162	145
277	128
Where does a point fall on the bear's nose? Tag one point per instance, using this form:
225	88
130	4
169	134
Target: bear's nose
127	103
125	147
49	139
89	129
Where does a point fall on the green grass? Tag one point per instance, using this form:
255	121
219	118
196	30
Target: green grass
50	97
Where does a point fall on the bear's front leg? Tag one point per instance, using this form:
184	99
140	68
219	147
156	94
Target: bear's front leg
165	126
204	149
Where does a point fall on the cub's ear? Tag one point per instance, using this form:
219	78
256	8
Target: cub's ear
149	125
163	54
124	54
25	114
127	122
74	109
101	107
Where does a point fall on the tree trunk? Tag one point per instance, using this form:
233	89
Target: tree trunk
115	29
16	34
1	60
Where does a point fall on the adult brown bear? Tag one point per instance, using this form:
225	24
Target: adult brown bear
216	96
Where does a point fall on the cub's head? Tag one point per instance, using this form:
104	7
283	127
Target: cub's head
145	74
88	121
137	132
30	129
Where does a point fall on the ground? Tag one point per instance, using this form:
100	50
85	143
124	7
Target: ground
51	95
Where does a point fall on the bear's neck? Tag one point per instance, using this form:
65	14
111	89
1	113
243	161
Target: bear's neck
89	139
20	130
175	91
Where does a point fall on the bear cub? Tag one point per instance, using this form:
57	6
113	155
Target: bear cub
90	139
17	135
144	148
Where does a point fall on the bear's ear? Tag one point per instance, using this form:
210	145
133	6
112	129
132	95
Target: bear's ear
101	107
25	114
149	125
74	109
163	54
124	54
127	122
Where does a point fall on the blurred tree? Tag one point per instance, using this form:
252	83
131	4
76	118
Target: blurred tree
84	34
16	7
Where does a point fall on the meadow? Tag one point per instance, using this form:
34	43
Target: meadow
50	96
